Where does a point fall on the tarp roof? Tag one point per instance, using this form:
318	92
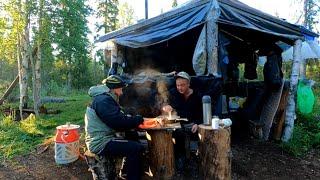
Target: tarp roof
177	21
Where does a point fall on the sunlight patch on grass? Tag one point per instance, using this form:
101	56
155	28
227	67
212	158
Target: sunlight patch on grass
22	137
30	126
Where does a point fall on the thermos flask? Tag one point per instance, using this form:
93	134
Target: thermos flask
206	108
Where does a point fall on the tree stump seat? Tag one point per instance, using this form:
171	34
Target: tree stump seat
101	167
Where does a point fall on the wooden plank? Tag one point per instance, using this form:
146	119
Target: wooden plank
10	89
280	114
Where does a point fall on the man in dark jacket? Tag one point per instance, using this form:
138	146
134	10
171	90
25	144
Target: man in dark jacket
187	103
104	118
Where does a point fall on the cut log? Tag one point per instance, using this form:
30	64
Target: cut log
215	152
101	167
280	115
161	153
9	90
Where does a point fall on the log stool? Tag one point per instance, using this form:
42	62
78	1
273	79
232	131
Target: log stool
101	167
215	152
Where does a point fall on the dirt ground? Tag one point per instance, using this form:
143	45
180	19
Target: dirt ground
251	160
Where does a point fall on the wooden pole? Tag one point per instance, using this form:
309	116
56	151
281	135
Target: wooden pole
212	39
114	56
291	107
215	153
146	8
9	90
114	53
161	153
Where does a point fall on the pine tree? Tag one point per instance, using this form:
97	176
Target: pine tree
108	10
70	35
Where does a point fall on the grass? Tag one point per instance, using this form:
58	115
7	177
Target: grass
19	138
306	132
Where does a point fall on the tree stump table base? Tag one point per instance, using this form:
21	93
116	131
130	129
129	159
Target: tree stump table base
215	152
161	153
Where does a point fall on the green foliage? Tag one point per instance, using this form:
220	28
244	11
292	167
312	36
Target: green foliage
70	35
19	137
125	16
22	137
12	24
311	13
108	9
306	133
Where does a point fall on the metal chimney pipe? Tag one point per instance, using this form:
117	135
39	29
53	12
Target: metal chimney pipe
146	8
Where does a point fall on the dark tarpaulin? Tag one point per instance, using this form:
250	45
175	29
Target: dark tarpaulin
233	13
164	30
236	13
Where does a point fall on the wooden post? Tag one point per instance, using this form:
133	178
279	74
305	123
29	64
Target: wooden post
161	153
212	39
291	107
215	153
280	114
114	53
120	59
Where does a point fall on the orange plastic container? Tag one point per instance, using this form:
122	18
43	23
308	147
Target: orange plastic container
67	133
66	143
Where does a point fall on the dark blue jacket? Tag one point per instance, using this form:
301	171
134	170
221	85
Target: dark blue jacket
109	111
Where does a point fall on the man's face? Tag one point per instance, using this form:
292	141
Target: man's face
182	85
118	91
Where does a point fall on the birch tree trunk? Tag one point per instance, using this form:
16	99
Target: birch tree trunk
23	62
23	70
37	65
291	107
34	89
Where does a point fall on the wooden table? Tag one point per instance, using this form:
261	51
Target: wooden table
161	150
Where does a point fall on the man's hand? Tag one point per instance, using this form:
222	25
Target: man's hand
167	108
194	128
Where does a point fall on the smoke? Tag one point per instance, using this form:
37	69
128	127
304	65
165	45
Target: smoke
162	97
151	92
